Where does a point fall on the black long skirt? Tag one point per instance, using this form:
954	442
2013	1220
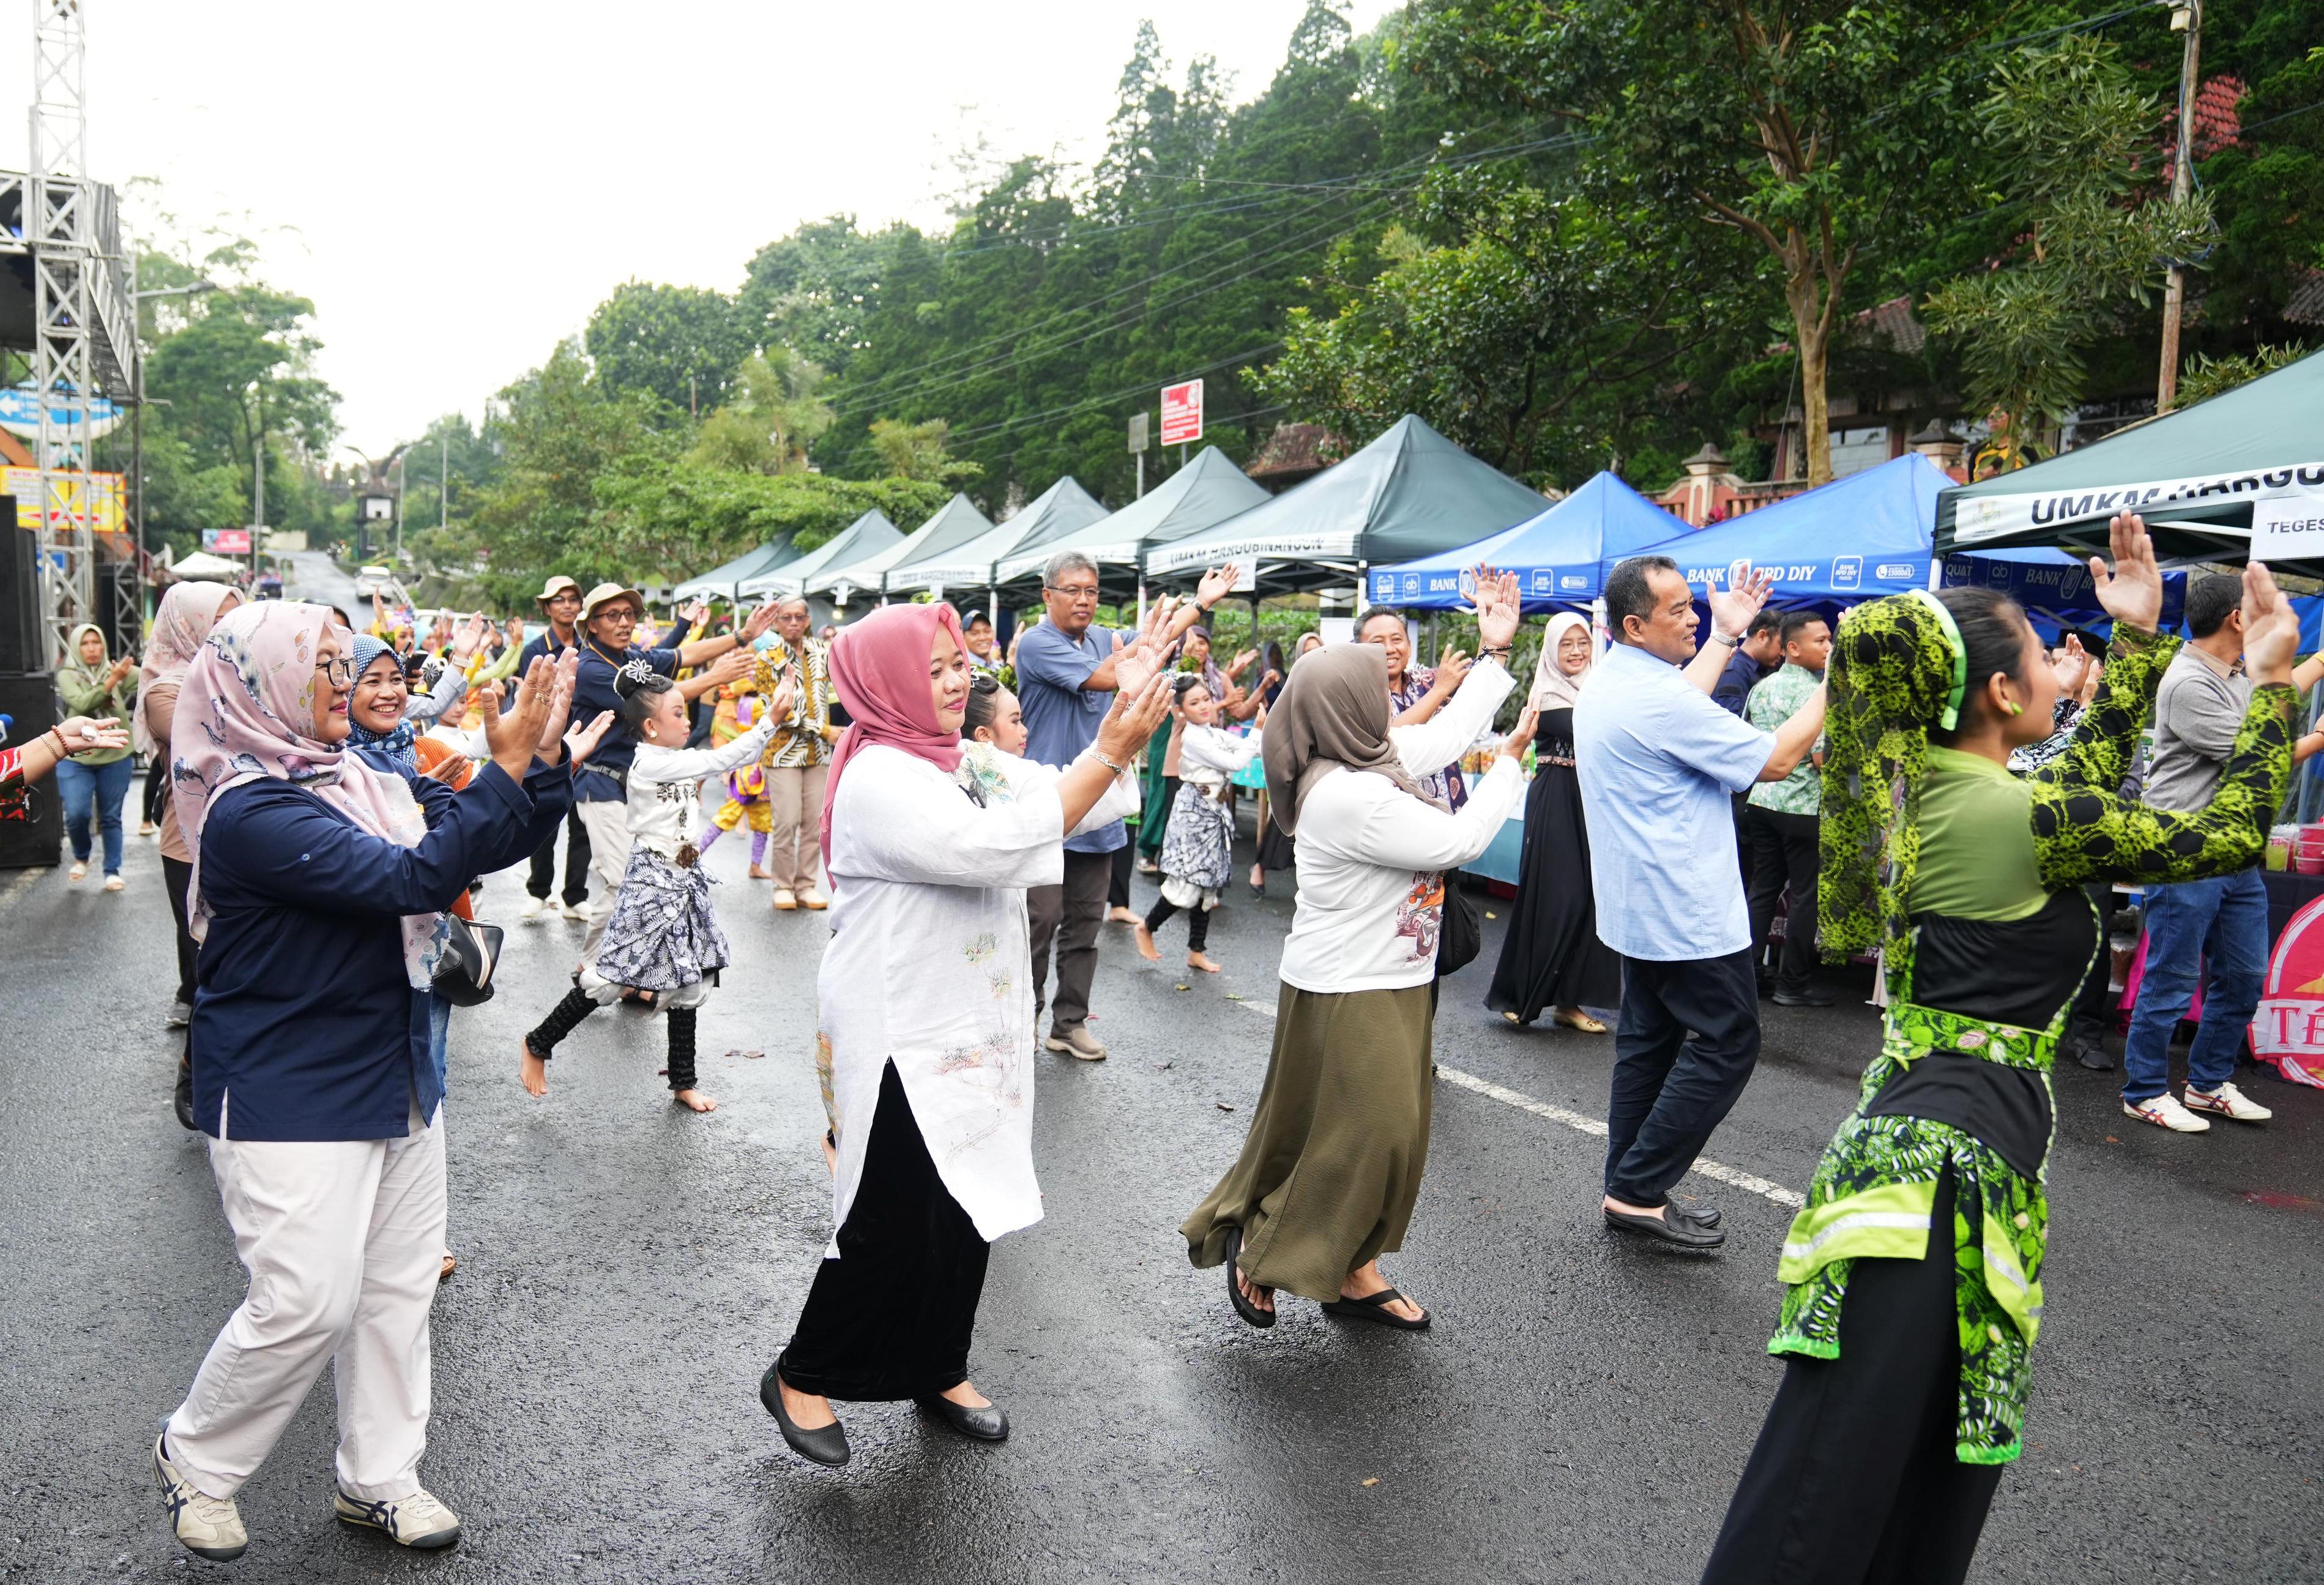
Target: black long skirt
1854	1480
891	1318
1551	957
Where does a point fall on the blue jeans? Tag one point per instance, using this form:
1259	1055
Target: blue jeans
440	1030
105	785
2224	920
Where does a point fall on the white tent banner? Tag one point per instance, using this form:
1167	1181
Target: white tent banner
1209	551
2288	525
1990	517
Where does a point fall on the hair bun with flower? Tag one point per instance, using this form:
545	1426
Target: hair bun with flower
632	676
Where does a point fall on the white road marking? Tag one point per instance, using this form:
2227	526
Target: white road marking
1749	1181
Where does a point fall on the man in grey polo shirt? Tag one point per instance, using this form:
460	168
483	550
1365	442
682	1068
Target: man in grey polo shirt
1658	762
2198	711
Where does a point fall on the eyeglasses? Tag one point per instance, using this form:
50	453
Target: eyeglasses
1085	592
340	671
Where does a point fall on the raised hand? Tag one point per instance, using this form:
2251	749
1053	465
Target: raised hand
733	664
581	739
1731	610
778	703
2133	591
2271	626
562	676
1147	654
1521	736
513	736
1134	715
1217	584
760	621
2072	667
1496	606
471	637
1452	666
1242	658
694	612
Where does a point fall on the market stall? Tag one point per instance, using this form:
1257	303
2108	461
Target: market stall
867	535
724	582
1206	492
1056	512
1559	554
953	524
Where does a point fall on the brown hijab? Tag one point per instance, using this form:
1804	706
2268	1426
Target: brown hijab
1331	715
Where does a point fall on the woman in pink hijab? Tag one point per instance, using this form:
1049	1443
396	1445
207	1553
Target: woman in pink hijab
926	1007
318	893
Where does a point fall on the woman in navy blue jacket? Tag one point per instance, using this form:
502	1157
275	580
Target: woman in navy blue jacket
317	894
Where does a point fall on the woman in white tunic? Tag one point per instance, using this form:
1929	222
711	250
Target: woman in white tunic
926	1009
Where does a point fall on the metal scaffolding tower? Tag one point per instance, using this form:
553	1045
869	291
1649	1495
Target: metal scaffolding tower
84	340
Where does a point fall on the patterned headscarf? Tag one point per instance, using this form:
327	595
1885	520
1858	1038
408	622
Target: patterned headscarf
880	668
398	743
1332	715
1889	680
186	616
246	713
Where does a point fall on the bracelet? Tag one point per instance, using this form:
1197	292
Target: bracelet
1500	650
1732	640
63	752
1100	755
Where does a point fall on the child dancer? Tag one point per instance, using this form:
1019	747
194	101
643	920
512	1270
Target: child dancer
662	936
739	710
1198	849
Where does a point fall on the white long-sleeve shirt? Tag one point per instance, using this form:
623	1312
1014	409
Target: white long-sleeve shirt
1372	857
1209	755
666	786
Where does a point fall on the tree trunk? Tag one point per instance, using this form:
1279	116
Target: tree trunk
1815	357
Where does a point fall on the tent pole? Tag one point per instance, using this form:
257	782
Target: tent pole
1141	599
1361	568
992	610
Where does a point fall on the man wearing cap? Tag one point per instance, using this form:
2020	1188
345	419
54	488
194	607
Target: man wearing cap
609	615
560	606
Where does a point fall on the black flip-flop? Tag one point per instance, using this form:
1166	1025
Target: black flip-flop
1375	1307
1251	1313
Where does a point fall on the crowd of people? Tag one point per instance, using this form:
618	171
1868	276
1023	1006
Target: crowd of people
1920	780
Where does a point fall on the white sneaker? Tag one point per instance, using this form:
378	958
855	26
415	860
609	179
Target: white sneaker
531	912
208	1526
181	1013
574	913
2226	1101
2164	1112
417	1521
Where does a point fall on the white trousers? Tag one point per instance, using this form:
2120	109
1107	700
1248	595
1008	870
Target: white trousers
344	1242
605	993
607	822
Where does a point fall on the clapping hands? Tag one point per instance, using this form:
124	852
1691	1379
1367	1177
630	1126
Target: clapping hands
1143	657
1497	606
1731	610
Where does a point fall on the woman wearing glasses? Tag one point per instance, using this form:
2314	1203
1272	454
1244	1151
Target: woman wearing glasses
319	889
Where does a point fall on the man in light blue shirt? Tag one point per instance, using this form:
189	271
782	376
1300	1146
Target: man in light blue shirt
1659	762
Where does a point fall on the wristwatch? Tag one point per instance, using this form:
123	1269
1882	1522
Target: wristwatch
1732	640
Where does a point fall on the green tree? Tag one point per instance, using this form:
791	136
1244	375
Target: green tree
773	416
920	452
2071	143
678	343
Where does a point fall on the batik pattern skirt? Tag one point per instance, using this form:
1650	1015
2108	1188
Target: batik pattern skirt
663	932
1198	848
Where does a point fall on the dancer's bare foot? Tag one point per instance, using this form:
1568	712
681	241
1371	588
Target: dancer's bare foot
807	1412
1145	947
760	873
1195	960
1114	916
1366	1280
695	1098
533	1072
966	1395
1262	1299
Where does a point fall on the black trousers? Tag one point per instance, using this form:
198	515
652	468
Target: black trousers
157	790
1198	922
576	864
1854	1481
175	875
1784	863
892	1318
1070	916
1671	1087
2087	1024
1117	883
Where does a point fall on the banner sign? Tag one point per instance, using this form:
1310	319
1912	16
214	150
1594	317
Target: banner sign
1576	584
20	413
2288	1027
83	493
226	541
1851	577
1990	517
1181	414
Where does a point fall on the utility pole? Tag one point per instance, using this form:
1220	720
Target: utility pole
257	475
444	486
2187	18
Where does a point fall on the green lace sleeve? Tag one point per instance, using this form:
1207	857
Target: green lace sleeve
2107	734
2083	830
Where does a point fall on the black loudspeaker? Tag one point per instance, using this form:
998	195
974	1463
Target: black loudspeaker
32	832
116	615
21	648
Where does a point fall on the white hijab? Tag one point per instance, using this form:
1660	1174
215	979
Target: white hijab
1552	688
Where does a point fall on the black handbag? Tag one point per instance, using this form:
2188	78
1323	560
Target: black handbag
463	974
1463	934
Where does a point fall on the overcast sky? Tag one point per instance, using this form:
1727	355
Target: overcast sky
457	185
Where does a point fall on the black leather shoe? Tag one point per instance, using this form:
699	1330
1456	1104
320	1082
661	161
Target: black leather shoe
1683	1230
1803	998
184	1098
1703	1214
990	1423
2094	1055
825	1445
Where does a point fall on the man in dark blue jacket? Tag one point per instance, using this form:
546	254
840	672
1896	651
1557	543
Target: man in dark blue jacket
560	606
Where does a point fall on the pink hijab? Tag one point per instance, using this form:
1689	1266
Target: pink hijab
880	666
246	713
187	614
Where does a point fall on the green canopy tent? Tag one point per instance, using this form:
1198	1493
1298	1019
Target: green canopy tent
866	536
724	582
1409	493
2237	477
1063	508
1206	492
954	523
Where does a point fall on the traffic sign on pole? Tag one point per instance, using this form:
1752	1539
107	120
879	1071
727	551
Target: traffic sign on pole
1181	414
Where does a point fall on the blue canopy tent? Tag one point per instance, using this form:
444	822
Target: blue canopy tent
1558	555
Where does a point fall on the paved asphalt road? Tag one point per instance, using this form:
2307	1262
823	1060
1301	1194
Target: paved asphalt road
1579	1412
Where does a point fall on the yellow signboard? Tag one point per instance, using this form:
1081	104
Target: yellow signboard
78	490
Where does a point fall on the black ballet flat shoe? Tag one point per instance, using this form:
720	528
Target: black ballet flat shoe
1685	1231
826	1445
1375	1307
990	1423
183	1101
1808	997
1251	1313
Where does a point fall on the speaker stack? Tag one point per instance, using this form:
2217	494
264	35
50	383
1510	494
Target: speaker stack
32	832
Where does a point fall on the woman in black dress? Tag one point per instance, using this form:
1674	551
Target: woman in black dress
1275	849
1551	957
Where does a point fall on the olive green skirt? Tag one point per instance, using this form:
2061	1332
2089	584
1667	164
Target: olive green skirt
1329	1174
